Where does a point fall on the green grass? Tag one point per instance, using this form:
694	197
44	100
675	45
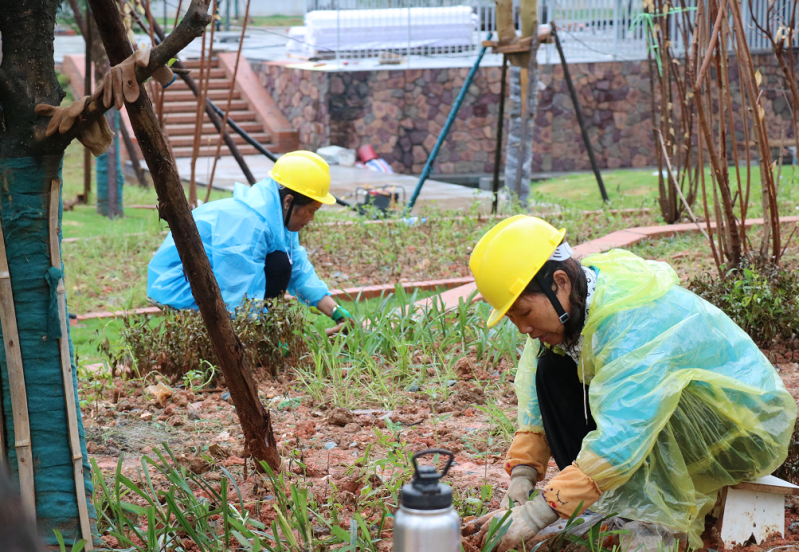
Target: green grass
628	189
133	194
272	20
108	272
84	222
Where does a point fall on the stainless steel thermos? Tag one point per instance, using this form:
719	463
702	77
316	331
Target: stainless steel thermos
426	520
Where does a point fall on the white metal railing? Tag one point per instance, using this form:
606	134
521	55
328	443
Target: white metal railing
590	30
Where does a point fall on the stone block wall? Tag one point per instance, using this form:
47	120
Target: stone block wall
402	112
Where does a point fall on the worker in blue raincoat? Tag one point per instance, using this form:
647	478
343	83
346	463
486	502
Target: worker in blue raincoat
252	242
649	399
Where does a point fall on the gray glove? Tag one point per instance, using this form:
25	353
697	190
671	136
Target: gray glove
522	483
526	522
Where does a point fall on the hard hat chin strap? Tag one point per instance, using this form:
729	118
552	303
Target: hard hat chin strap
288	212
546	286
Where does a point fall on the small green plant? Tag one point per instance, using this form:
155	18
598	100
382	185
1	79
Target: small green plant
178	346
169	508
400	347
195	380
93	382
761	298
62	547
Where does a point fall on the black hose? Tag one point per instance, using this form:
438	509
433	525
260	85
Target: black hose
243	133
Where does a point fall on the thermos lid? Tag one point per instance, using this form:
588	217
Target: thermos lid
424	492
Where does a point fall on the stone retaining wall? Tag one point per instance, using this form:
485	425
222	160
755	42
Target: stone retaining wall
401	113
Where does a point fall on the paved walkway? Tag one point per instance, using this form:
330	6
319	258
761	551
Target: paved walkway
344	182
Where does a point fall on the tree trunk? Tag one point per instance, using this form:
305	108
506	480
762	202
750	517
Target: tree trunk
255	420
28	165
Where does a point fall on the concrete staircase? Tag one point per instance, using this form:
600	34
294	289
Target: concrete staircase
180	109
252	108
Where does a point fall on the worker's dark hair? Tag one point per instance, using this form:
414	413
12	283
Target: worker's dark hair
574	270
299	199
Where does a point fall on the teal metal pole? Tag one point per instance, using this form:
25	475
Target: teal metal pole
441	137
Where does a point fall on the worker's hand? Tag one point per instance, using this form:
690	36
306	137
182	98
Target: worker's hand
341	315
526	522
336	329
522	483
96	137
120	84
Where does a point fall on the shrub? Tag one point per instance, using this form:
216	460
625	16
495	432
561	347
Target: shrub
790	468
178	343
763	299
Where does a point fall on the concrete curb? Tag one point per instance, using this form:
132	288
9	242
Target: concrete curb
614	240
353	293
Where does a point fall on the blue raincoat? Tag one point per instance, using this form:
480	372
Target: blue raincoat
238	233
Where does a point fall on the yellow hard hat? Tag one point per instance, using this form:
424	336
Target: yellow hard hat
304	172
508	256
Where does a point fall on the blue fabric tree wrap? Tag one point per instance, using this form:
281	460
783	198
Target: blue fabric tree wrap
53	275
24	199
102	172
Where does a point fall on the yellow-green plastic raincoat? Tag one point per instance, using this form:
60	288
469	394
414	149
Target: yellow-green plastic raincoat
684	401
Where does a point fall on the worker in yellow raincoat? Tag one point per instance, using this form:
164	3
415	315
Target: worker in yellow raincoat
649	398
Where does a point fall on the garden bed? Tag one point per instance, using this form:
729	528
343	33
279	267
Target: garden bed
348	417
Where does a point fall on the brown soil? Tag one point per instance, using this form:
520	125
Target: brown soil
198	426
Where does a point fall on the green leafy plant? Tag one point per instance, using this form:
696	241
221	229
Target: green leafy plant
789	470
761	298
177	344
400	345
195	380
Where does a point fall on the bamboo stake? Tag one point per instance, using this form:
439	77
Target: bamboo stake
66	370
199	114
229	101
736	160
705	126
87	91
713	250
529	94
677	186
255	420
16	384
748	79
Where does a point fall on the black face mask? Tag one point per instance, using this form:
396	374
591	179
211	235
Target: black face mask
545	283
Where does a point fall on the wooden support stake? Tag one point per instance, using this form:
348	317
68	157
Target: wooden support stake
500	122
209	109
134	157
87	91
255	421
70	396
579	112
16	384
